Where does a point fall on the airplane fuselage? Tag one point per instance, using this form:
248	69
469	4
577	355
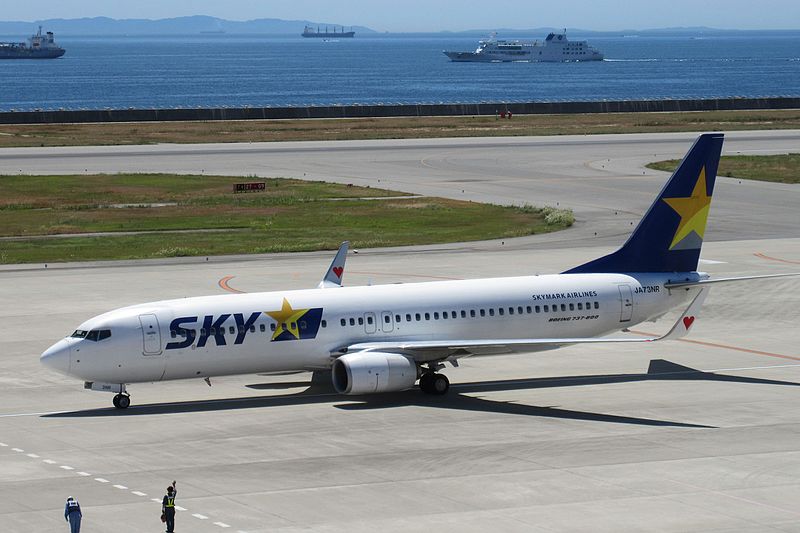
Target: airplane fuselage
306	329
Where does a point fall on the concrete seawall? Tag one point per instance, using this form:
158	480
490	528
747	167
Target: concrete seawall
410	110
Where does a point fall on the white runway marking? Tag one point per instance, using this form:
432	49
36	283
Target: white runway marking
18	450
65	467
138	493
11	415
101	480
179	508
32	455
221	524
49	461
200	516
83	474
155	500
121	487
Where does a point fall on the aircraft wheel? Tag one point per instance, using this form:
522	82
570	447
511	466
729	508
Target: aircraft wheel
122	401
426	383
440	384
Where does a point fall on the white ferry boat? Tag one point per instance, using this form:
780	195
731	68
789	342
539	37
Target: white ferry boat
555	48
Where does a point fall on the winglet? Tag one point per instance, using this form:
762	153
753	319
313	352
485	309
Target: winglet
687	319
333	277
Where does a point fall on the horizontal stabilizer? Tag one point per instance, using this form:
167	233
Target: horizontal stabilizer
702	282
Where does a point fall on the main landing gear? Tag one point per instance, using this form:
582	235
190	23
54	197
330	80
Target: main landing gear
432	383
122	401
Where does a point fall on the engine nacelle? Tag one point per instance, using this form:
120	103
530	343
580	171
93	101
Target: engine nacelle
370	372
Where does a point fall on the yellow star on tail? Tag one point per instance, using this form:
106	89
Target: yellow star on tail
286	319
693	210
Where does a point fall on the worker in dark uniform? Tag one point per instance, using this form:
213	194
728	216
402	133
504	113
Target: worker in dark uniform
73	515
168	507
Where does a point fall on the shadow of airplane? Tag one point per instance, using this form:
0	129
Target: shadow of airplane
320	391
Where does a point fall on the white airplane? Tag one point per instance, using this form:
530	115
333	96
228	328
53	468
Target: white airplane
386	338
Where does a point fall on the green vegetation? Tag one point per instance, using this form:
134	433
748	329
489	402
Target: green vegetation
390	128
175	216
777	168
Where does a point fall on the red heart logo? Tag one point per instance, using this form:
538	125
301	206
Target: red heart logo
688	321
338	271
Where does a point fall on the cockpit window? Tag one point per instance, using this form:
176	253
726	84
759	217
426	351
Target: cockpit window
94	335
79	334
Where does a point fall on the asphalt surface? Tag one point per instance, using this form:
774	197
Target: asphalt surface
695	435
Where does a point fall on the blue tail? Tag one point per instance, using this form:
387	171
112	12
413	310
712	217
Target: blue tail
669	237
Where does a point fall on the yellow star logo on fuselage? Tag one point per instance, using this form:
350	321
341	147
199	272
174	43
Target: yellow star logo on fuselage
693	211
286	319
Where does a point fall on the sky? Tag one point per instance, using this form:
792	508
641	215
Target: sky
438	15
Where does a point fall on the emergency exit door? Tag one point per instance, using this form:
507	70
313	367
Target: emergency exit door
626	301
151	335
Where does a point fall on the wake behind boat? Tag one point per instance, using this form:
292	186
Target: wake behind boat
555	48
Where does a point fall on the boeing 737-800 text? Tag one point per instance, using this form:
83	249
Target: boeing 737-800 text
386	338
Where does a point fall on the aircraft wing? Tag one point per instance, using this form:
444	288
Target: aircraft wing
452	349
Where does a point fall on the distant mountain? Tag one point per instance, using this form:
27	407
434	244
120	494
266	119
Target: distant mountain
538	33
180	25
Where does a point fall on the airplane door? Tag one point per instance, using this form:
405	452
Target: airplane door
370	325
151	335
626	301
387	322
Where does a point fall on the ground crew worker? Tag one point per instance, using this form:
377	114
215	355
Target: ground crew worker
73	515
168	507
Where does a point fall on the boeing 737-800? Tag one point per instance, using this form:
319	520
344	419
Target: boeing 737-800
386	338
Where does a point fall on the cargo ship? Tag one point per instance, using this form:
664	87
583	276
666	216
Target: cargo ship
308	31
38	47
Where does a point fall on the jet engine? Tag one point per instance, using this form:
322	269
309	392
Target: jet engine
370	372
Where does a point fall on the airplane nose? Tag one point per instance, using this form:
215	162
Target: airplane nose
57	356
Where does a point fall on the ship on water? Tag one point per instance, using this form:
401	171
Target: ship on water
555	48
38	47
308	31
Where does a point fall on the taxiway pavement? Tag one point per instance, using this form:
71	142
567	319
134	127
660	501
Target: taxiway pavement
695	435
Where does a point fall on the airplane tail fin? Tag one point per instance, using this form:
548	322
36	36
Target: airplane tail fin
669	236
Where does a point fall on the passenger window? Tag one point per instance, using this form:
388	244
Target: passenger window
491	312
571	307
294	325
397	318
453	314
444	315
427	316
501	311
483	312
546	308
343	322
172	334
369	320
253	329
353	321
563	307
463	314
302	324
472	313
537	309
436	315
418	317
408	317
272	326
324	324
387	319
519	310
231	329
580	306
597	305
202	332
361	321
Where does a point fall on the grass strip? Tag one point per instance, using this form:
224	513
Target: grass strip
390	128
776	168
